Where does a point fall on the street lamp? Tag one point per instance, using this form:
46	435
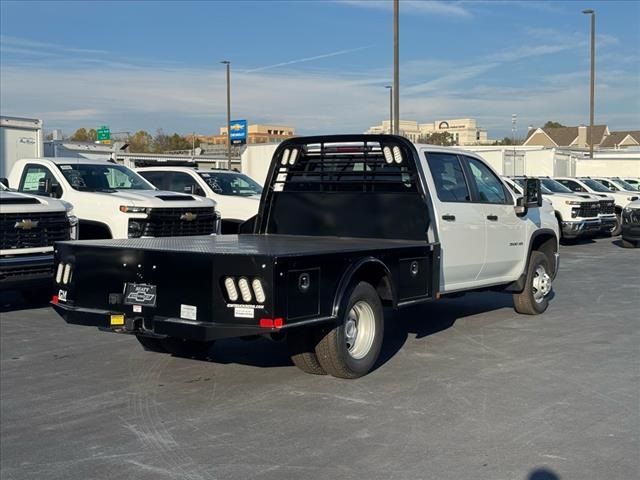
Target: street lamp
390	87
396	69
228	64
593	77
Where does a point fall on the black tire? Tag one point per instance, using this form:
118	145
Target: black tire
335	355
617	229
187	348
302	342
525	302
151	344
628	243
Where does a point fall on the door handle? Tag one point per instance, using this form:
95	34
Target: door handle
449	218
493	218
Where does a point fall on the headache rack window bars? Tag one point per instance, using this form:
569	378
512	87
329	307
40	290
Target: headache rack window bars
345	167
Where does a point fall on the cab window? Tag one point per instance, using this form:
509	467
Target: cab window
157	179
184	183
489	188
573	186
448	175
34	178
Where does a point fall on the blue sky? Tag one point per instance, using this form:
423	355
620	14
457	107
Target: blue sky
318	65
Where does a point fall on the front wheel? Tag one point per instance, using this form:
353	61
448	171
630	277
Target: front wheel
351	348
534	299
617	228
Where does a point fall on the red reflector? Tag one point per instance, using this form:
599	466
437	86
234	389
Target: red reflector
278	322
54	299
266	322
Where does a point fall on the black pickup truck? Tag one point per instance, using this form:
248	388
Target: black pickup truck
346	225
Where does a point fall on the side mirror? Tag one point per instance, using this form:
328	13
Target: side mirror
44	186
56	190
532	193
520	208
4	181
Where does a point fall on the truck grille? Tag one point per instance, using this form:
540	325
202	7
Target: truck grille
607	207
589	209
174	222
24	230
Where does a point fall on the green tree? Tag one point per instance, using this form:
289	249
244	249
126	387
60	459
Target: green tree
140	142
438	138
551	124
80	135
505	141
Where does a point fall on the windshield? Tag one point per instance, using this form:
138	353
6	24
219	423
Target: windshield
555	187
231	183
102	178
521	182
625	185
597	186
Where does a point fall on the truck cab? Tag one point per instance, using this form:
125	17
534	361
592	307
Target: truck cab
30	225
577	215
237	195
591	186
347	224
112	201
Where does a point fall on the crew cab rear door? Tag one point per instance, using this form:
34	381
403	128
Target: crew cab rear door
505	232
461	223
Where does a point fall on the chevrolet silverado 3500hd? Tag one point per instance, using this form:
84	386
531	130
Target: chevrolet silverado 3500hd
347	224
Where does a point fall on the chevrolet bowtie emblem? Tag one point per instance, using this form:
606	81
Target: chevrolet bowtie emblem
189	217
26	224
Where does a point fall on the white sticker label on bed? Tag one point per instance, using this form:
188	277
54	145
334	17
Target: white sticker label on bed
243	312
188	312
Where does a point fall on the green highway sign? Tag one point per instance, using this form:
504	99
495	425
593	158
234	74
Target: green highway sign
103	134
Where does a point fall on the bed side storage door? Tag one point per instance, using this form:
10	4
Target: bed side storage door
461	224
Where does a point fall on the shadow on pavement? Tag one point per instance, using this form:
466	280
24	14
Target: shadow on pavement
420	320
16	300
543	474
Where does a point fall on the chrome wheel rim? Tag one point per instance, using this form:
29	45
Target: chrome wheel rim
359	330
541	284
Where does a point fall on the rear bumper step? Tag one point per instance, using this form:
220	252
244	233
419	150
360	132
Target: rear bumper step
171	327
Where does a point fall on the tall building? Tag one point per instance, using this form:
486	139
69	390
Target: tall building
256	133
464	131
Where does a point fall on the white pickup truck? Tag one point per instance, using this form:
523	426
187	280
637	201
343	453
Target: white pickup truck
577	216
113	201
237	195
589	185
347	224
29	226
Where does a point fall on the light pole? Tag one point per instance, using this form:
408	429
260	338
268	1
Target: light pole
396	70
390	87
228	64
593	77
514	118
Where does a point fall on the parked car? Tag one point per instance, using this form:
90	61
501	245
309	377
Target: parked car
616	184
112	201
589	185
576	216
348	223
29	226
633	181
237	195
631	225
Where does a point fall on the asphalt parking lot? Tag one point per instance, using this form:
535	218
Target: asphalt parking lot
467	389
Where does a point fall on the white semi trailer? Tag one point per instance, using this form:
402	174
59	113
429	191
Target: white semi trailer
19	138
